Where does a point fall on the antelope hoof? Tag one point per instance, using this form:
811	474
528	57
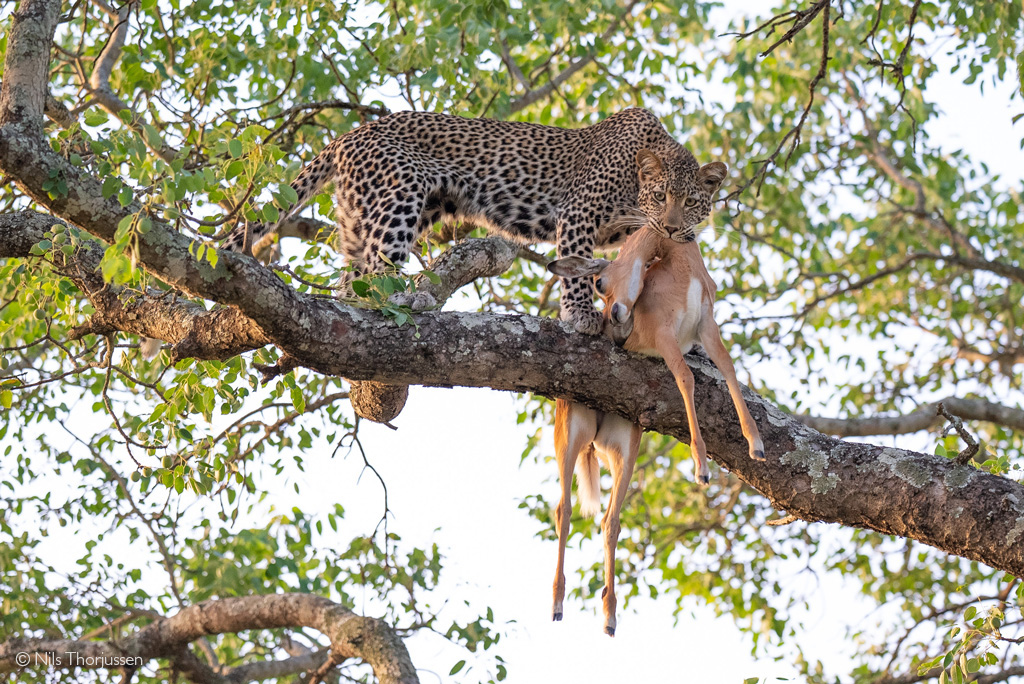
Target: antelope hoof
705	479
556	617
757	449
609	630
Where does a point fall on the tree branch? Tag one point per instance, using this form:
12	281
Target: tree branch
551	86
26	74
194	331
510	64
800	19
464	262
99	84
921	418
351	636
931	217
954	508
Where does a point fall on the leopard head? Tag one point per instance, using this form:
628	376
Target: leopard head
676	194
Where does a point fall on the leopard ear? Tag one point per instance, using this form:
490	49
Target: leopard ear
648	165
712	175
577	267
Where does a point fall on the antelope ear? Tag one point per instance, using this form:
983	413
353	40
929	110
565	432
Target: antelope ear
577	267
648	165
712	175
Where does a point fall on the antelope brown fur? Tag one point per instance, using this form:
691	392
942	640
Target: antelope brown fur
665	285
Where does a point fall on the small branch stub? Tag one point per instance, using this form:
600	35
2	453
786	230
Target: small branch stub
965	456
779	522
285	365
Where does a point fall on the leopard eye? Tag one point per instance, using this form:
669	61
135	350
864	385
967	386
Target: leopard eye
659	196
690	202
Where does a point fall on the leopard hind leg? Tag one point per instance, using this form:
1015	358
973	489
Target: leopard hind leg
574	239
383	236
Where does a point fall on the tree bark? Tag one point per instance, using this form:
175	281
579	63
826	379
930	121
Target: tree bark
351	636
921	418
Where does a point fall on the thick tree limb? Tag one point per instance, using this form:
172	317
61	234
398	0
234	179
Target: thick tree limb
221	333
56	112
920	418
351	636
26	76
954	508
195	332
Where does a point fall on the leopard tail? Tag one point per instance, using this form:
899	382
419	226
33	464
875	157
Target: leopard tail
306	185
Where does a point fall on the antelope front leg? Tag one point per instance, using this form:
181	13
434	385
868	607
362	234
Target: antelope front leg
575	427
711	339
669	350
619	440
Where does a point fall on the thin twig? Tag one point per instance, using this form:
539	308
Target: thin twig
789	519
965	456
823	6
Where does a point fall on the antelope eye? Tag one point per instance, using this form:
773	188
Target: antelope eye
690	202
601	286
659	196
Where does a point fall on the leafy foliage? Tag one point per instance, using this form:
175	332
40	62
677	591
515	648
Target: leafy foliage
876	264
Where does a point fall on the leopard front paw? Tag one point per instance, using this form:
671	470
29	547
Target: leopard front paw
417	301
587	321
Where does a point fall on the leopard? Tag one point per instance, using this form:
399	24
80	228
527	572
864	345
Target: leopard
583	189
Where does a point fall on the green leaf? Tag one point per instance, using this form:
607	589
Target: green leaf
95	117
6	398
111	184
235	147
234	168
457	667
289	194
298	400
152	136
970	613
